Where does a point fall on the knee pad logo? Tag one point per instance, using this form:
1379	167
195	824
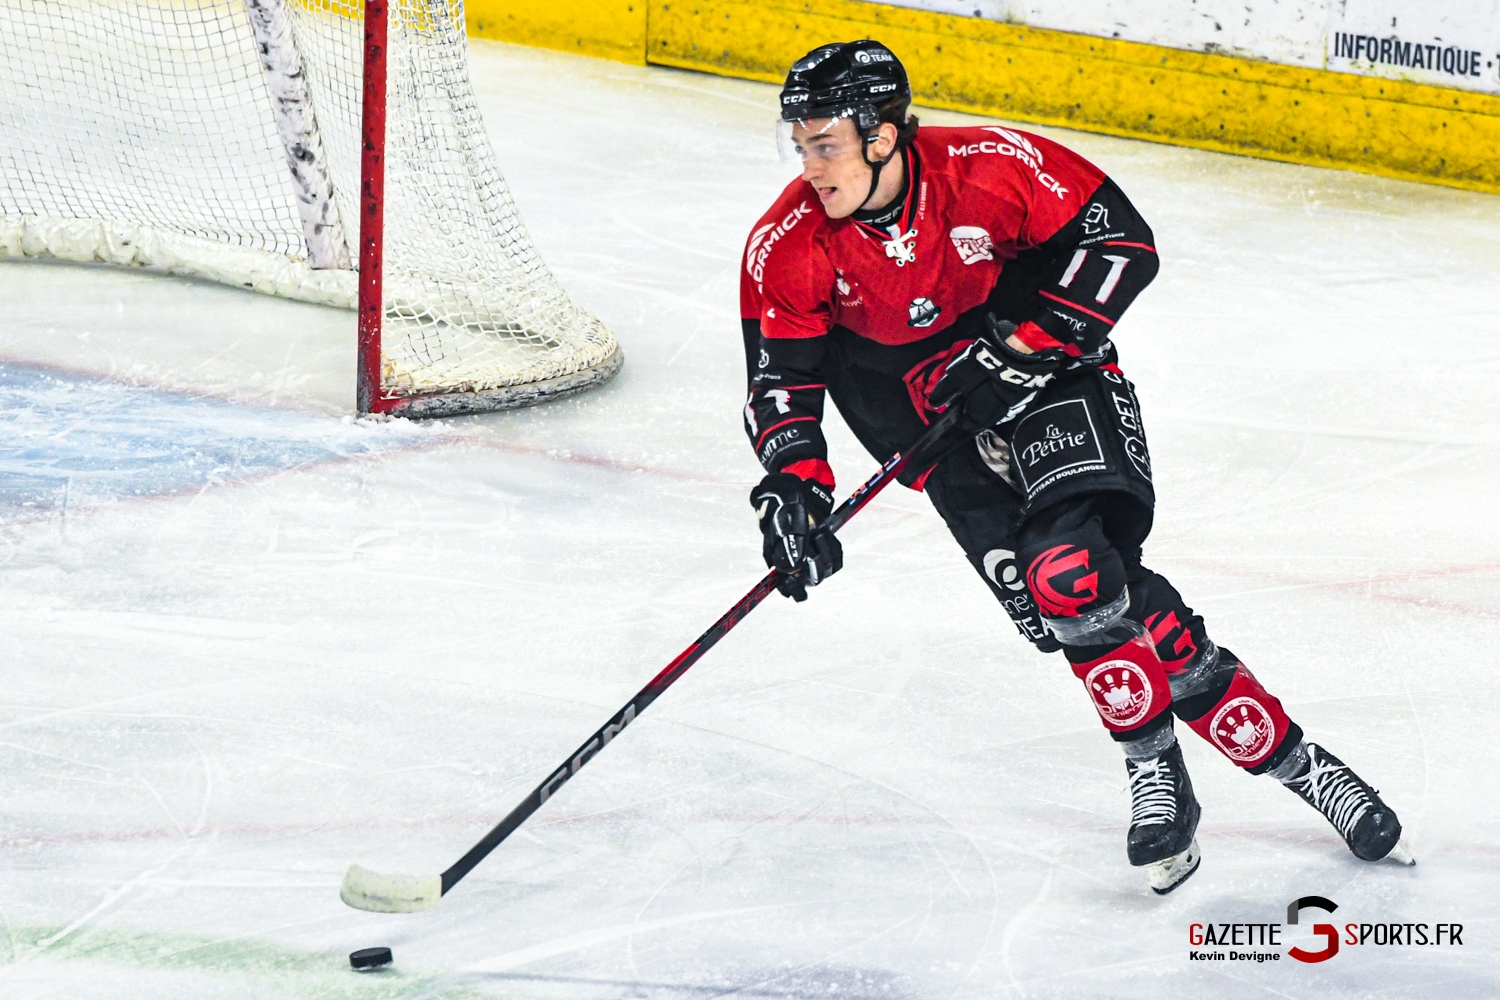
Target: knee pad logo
1121	692
1243	731
1046	578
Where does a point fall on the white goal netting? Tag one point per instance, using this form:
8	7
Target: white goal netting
222	138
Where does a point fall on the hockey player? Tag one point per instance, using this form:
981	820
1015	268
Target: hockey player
910	270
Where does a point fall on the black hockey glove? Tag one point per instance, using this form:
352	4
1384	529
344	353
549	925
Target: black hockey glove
790	508
992	381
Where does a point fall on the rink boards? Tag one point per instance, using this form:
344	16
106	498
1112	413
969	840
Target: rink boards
1224	103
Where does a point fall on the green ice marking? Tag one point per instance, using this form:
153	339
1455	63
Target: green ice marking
306	975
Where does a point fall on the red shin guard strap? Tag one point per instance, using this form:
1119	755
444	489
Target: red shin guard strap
1128	685
1247	723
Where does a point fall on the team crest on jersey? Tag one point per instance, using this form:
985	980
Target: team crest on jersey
922	312
1121	691
1243	730
972	243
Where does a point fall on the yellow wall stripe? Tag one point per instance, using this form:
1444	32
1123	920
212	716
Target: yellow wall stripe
605	29
1396	129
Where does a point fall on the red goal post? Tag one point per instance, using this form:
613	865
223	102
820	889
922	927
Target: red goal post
371	306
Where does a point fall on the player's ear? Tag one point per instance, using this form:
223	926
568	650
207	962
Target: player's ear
885	144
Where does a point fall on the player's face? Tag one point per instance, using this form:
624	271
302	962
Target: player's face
832	164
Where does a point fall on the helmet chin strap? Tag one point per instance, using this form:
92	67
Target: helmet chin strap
875	168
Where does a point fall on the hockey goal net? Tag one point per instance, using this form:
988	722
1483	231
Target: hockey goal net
320	150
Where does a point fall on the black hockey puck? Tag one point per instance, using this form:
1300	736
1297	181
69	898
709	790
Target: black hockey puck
367	959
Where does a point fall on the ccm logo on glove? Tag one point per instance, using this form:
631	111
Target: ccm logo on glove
1005	372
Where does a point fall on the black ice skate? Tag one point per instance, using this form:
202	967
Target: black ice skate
1163	818
1366	823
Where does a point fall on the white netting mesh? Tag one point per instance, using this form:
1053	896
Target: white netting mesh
145	132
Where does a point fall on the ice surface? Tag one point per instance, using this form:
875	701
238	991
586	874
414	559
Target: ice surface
70	442
217	698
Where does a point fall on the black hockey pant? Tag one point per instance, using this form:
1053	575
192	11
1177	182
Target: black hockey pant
1067	568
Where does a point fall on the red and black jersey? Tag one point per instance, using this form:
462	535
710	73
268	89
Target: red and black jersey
994	220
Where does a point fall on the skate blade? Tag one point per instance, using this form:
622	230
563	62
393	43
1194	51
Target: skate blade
1401	854
1168	873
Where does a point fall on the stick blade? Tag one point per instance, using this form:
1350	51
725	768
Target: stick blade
367	890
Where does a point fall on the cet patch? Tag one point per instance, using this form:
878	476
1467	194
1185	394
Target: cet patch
1056	442
1128	423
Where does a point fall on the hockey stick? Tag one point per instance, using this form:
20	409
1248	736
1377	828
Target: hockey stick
367	890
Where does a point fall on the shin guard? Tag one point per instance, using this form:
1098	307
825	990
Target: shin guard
1128	684
1248	724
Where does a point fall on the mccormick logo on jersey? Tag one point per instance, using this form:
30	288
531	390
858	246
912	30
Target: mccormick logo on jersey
1018	146
972	243
764	238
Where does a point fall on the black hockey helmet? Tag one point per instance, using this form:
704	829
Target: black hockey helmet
861	80
845	80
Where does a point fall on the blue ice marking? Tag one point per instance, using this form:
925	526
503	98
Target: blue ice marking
70	441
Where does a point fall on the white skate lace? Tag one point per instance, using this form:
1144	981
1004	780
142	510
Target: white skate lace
1153	796
1334	792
